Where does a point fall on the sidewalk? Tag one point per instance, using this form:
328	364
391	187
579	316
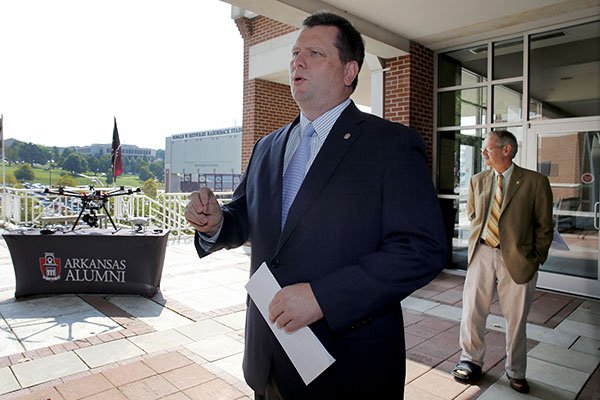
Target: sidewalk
187	341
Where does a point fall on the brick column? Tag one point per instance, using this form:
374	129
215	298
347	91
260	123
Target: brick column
267	105
409	92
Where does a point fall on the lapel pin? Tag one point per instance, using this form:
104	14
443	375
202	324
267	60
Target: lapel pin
347	136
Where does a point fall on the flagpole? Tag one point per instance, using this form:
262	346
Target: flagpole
3	170
113	164
3	162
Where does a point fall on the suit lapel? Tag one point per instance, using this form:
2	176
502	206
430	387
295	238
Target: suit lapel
340	139
516	180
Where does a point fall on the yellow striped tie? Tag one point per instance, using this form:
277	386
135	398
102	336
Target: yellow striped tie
492	236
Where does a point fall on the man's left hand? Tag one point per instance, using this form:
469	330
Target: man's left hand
294	307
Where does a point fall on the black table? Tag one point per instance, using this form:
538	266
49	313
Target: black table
87	261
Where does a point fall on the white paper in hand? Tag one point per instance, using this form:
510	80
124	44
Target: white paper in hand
304	349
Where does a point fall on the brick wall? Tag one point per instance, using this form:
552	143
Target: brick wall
267	105
421	94
408	93
563	156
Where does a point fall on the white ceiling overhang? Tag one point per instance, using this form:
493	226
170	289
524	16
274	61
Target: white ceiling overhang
388	26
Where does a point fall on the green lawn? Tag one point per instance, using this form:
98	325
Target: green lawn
42	175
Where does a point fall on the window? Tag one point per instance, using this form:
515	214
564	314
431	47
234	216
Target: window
564	72
508	58
462	107
462	67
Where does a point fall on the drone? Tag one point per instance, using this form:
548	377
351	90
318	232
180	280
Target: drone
91	202
138	224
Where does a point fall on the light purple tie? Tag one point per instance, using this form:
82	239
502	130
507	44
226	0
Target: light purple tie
294	174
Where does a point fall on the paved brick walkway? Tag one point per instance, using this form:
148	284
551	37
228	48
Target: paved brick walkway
187	341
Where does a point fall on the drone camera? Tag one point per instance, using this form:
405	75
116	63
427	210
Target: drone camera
91	220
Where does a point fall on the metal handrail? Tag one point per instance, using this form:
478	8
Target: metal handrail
30	207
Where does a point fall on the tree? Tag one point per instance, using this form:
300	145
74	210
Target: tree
12	153
66	179
104	163
93	162
75	162
32	153
158	169
149	188
102	166
24	173
10	180
145	173
133	165
55	154
66	153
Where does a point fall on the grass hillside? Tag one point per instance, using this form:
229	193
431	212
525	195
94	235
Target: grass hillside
42	175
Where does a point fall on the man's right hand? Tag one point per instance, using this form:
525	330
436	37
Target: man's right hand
203	212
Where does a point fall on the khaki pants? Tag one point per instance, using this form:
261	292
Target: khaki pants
486	274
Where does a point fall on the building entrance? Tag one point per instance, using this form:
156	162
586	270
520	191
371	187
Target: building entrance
568	152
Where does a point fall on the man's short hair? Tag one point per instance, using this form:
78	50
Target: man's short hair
349	41
505	137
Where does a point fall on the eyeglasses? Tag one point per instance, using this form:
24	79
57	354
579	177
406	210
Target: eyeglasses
490	148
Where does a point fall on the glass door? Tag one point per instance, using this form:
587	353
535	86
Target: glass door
568	152
459	157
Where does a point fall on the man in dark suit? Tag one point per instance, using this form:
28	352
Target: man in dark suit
509	240
363	232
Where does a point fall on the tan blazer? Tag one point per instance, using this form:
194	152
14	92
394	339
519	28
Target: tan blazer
526	227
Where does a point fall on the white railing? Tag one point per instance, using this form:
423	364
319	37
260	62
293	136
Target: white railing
33	207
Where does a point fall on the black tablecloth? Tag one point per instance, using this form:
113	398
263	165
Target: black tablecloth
87	261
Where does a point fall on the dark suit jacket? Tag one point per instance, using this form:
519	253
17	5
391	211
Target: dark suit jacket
365	230
525	223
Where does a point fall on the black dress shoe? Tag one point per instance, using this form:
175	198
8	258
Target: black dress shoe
520	385
466	372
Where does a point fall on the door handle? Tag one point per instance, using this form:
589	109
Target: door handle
596	215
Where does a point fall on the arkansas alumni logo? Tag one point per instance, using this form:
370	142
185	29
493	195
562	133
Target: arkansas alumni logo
50	267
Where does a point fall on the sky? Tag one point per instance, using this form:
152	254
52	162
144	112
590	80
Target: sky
161	67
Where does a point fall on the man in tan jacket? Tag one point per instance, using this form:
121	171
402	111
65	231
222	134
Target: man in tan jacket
510	209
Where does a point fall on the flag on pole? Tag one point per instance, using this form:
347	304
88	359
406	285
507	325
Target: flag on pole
116	160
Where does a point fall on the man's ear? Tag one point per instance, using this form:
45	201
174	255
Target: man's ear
350	72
